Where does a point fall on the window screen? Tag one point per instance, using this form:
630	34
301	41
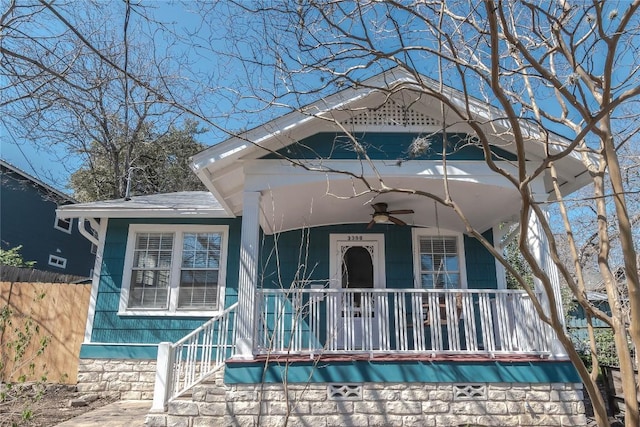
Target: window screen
150	276
199	270
439	262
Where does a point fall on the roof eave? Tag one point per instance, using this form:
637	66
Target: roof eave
142	213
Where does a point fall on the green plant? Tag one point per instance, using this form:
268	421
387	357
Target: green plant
13	257
21	343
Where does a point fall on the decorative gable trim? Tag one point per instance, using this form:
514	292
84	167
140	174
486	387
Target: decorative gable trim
390	114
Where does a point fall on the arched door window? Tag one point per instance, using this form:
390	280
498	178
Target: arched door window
357	270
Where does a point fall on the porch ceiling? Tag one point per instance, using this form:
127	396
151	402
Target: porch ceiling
337	202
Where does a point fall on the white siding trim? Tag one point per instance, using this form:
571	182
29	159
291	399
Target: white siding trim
429	232
282	173
95	280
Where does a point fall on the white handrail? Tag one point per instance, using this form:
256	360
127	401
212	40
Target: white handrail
193	358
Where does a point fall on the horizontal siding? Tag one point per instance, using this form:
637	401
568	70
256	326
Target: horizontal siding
481	265
385	146
35	231
314	255
108	327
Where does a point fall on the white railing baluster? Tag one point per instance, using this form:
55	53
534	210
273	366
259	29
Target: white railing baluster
486	323
503	324
469	323
453	326
400	321
434	323
383	323
417	320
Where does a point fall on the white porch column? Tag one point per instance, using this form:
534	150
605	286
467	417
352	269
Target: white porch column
539	245
248	276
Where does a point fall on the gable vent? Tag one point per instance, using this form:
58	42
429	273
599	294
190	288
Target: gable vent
391	114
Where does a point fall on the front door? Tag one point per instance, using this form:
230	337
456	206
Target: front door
357	266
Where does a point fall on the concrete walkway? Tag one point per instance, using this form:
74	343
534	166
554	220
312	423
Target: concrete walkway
129	413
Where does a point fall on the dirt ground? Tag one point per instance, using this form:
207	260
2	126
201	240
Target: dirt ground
45	406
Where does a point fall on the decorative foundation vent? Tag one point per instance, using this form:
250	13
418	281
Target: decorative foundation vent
344	392
469	391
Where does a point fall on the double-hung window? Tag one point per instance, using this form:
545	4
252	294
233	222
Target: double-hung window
439	260
63	224
174	269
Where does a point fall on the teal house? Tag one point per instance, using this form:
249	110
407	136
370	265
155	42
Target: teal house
299	290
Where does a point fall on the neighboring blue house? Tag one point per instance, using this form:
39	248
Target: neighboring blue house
28	218
301	298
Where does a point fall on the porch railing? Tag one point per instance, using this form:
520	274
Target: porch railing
185	363
399	321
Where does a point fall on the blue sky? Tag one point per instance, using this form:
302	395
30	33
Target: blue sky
47	164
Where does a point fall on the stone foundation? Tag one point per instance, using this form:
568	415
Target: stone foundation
126	378
376	404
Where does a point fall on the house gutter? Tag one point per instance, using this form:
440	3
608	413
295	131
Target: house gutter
85	233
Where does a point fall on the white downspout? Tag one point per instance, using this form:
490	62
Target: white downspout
85	233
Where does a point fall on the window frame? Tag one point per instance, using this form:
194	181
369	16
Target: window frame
418	233
67	230
54	258
178	231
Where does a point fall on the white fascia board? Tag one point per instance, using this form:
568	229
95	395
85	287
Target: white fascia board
205	177
142	213
237	146
263	173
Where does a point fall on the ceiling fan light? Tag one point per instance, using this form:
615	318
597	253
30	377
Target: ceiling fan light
380	218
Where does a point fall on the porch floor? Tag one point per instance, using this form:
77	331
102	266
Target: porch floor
391	358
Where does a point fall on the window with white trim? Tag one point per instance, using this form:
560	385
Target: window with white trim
63	224
57	261
439	261
174	269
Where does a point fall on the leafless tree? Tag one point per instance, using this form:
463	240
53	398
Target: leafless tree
549	67
85	78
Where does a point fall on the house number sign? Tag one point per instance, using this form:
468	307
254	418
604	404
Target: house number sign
355	238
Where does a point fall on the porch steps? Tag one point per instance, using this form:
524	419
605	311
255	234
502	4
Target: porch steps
202	405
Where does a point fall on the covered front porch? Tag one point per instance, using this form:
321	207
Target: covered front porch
311	323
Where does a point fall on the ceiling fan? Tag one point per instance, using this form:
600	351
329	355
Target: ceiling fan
381	215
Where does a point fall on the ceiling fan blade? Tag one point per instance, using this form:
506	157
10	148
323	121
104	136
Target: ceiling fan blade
397	221
401	211
370	224
379	207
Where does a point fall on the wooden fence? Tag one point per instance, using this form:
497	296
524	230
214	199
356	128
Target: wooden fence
54	313
10	273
